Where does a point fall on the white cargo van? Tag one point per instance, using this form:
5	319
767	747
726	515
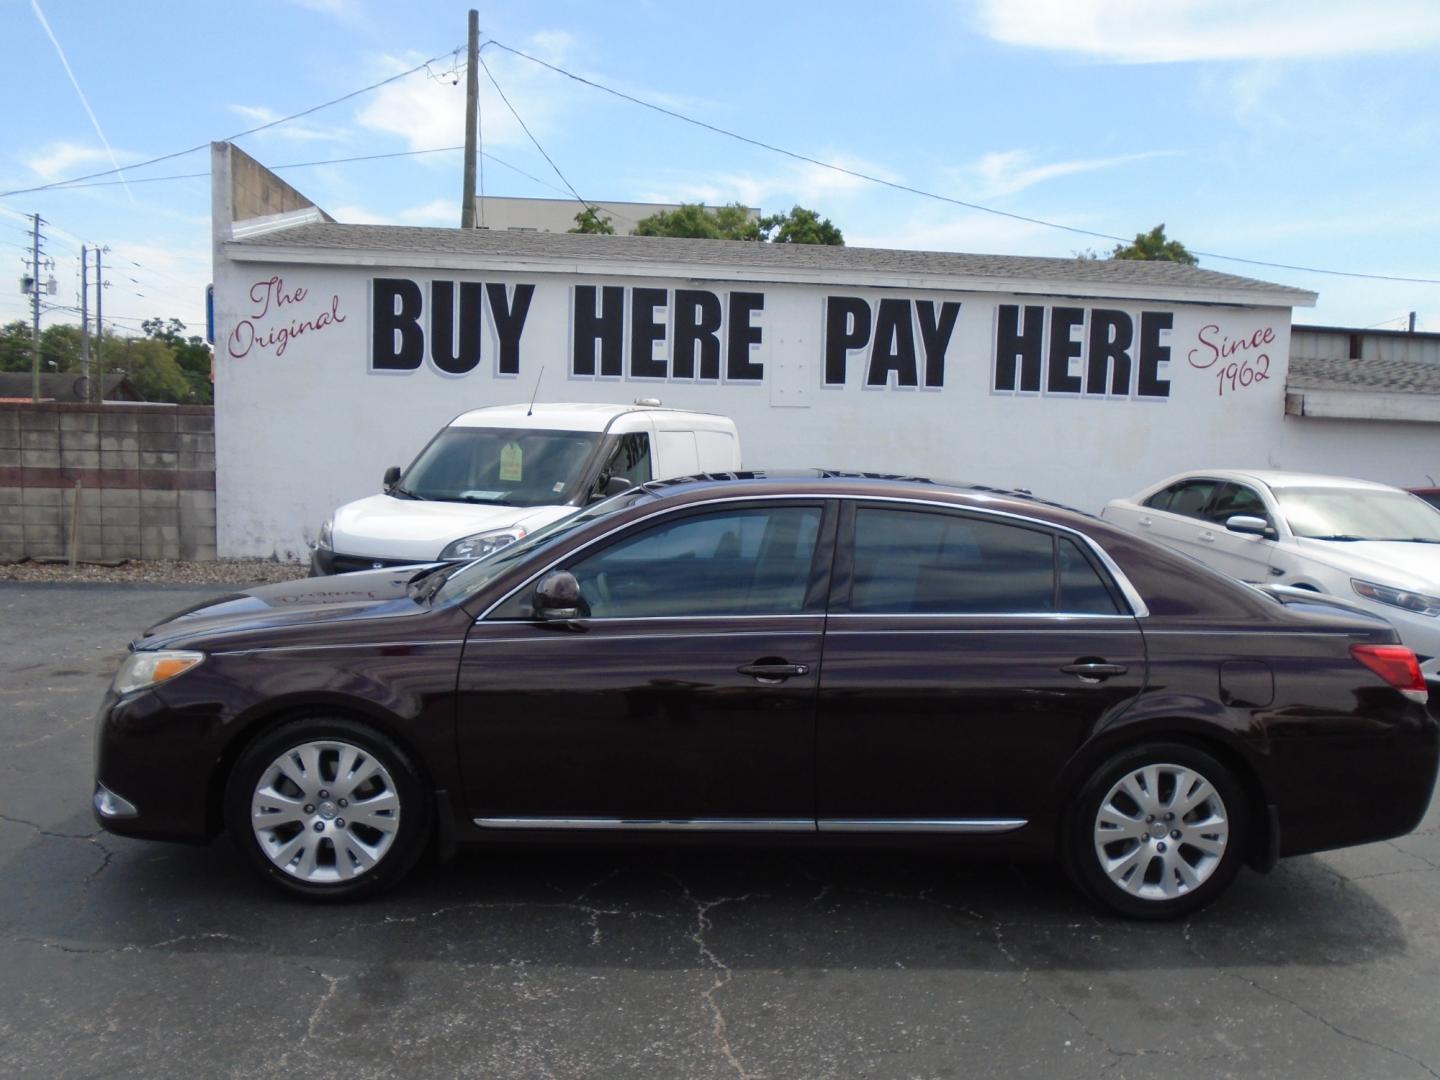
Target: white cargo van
492	475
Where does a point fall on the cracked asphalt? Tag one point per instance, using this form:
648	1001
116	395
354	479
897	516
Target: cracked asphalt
126	958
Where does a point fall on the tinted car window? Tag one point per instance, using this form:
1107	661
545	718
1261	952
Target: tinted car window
1233	499
630	460
913	562
736	562
1190	497
1082	590
1161	499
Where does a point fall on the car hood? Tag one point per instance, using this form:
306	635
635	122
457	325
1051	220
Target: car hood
1388	562
384	527
369	594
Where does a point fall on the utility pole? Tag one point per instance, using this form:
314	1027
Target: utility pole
85	319
35	310
1412	322
97	388
472	105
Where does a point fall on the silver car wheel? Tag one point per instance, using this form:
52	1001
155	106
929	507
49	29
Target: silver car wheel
1161	831
325	811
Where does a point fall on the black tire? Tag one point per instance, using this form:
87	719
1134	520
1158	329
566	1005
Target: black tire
399	848
1150	881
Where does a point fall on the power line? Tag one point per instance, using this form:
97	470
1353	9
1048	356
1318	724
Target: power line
921	191
534	140
238	135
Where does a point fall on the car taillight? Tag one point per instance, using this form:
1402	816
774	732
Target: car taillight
1397	665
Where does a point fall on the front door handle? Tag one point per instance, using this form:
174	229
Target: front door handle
772	673
1093	671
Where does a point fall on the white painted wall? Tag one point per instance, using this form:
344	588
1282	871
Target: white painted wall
305	427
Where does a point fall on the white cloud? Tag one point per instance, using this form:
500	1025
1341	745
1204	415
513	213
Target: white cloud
938	230
1144	31
1005	172
444	212
354	214
298	130
60	158
429	110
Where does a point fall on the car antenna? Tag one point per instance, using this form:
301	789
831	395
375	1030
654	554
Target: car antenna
531	410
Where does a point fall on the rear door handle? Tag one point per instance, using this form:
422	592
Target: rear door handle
1207	536
773	673
1094	670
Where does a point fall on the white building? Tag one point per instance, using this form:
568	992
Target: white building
340	349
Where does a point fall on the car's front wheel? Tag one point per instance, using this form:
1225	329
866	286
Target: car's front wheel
1158	831
327	808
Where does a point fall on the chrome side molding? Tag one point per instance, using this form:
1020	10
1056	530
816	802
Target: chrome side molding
781	825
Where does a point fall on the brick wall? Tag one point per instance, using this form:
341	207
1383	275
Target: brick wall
146	476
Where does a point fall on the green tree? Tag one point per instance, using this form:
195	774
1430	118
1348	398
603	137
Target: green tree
696	221
191	353
15	346
1153	246
150	365
801	226
590	221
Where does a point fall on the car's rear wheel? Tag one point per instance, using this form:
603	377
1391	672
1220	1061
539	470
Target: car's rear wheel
1158	831
327	808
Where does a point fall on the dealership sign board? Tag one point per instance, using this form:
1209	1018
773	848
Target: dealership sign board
1049	392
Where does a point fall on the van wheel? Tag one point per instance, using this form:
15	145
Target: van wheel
327	809
1157	832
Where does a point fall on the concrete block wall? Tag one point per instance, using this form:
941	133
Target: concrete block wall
146	476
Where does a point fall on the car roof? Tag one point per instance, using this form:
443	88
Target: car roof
846	482
558	416
1277	478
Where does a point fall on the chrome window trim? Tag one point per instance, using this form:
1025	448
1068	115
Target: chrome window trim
528	639
809	825
1138	607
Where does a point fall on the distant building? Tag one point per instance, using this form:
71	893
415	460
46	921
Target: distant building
1347	343
558	215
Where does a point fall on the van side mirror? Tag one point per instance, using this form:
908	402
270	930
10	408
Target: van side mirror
392	477
558	598
1251	526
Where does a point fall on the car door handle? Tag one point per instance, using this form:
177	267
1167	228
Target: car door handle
1093	670
1146	522
773	673
1207	536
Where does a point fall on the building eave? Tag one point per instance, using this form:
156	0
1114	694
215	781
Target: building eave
1362	405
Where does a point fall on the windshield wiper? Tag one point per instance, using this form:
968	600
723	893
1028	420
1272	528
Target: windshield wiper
1410	540
407	493
1342	537
477	499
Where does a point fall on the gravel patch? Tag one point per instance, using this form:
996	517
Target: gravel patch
159	572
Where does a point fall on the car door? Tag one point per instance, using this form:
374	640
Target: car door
1176	516
1242	555
684	698
966	657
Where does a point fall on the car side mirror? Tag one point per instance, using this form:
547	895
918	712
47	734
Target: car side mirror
1251	526
613	486
392	477
558	598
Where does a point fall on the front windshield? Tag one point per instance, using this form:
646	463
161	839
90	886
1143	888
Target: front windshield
1358	514
510	466
476	575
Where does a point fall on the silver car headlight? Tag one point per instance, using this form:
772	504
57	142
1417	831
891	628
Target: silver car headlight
1417	602
482	544
150	668
326	539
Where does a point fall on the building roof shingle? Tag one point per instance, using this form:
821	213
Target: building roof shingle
578	249
1365	376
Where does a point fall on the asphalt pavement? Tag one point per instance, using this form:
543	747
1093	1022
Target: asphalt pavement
129	958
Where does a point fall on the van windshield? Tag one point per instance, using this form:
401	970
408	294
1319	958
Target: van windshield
508	466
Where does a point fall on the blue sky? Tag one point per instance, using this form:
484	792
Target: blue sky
1302	132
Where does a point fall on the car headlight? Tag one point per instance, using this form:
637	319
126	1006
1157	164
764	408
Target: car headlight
150	668
482	544
1401	598
326	539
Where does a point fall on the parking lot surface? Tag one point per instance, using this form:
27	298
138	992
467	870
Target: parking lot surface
128	958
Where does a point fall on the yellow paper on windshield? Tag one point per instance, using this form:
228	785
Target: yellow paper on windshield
512	461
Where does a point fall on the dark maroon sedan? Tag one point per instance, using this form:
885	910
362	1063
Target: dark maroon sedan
819	657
